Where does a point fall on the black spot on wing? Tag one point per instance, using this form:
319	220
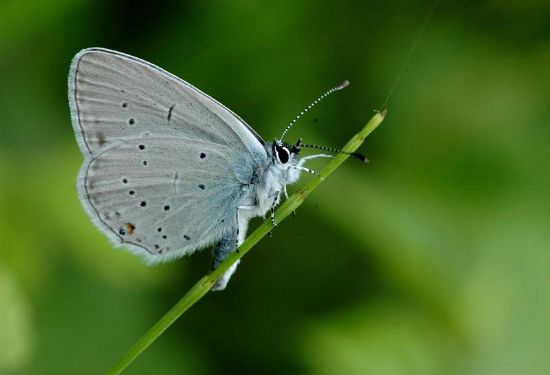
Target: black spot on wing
169	117
100	139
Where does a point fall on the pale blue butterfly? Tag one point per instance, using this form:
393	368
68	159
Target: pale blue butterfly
168	170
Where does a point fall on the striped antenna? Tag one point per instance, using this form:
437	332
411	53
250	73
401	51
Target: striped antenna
335	88
330	149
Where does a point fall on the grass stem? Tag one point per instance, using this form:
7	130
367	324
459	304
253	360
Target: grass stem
204	285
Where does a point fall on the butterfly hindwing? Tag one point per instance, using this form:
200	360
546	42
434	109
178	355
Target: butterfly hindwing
163	197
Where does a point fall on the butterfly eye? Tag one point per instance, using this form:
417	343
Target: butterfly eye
283	154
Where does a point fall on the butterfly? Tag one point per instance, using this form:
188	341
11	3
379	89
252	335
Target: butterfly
167	169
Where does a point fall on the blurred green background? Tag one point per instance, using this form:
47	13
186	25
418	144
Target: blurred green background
433	259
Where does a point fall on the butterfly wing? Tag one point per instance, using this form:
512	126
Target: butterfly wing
165	164
114	96
163	197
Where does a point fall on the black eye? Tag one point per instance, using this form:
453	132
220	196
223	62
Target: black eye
283	155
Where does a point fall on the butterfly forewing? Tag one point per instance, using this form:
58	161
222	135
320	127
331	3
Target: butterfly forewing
114	96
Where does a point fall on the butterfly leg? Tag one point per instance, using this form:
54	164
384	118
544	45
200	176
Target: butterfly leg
273	215
273	205
295	170
304	169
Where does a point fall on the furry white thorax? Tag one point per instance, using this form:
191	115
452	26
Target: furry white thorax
264	193
266	190
260	196
271	183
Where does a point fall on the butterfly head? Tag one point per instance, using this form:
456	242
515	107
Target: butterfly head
283	153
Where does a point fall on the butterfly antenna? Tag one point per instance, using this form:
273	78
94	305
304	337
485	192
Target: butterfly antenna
335	88
330	149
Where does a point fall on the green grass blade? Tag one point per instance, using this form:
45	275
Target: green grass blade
204	285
